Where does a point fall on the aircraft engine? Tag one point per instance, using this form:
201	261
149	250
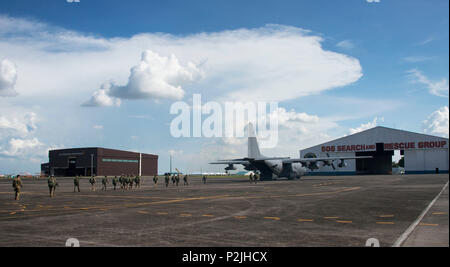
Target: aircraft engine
329	163
342	164
249	167
230	167
311	165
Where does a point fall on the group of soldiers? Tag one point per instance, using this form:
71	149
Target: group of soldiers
175	179
17	185
125	181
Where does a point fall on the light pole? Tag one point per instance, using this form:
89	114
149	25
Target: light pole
92	164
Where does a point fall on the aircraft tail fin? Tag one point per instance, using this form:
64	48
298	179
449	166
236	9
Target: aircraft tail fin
253	147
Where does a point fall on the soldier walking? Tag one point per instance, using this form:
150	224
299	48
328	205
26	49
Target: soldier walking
130	181
177	179
52	185
137	181
185	179
76	183
104	182
251	177
166	179
155	180
114	182
17	185
256	177
92	181
121	181
204	179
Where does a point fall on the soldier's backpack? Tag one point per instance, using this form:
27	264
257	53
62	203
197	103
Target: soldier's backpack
15	183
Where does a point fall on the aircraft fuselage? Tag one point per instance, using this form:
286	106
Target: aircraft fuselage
269	168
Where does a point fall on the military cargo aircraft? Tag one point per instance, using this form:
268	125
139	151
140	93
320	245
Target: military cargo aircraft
281	167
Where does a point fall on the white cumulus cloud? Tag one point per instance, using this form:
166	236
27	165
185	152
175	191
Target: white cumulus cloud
437	122
102	98
274	62
8	78
17	123
366	126
20	147
155	77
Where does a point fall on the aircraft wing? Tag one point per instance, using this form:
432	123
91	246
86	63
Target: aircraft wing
246	160
231	161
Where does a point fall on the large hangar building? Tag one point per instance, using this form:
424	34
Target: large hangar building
422	153
99	161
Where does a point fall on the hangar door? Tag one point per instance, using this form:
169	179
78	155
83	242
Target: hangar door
380	163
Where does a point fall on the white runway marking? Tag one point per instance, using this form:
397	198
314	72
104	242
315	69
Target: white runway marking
413	226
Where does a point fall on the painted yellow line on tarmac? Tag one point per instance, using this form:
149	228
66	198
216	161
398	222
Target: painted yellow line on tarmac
385	222
386	216
142	212
305	220
331	217
272	218
344	221
126	197
162	213
330	192
429	224
177	200
185	215
438	213
207	215
12	213
240	217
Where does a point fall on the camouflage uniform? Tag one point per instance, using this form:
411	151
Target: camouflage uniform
76	183
185	179
17	185
251	177
204	179
255	178
121	181
166	178
155	180
137	181
177	179
92	181
104	182
173	179
114	182
52	185
125	182
130	182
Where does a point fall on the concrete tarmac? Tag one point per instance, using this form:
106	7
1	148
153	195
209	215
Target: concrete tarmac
314	211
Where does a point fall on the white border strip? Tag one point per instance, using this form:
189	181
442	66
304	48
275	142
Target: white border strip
411	228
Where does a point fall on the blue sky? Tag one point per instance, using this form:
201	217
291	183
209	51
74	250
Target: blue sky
334	67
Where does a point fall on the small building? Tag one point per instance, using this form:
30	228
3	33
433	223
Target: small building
99	161
422	153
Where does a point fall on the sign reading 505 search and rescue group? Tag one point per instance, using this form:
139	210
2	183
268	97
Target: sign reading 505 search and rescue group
387	146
